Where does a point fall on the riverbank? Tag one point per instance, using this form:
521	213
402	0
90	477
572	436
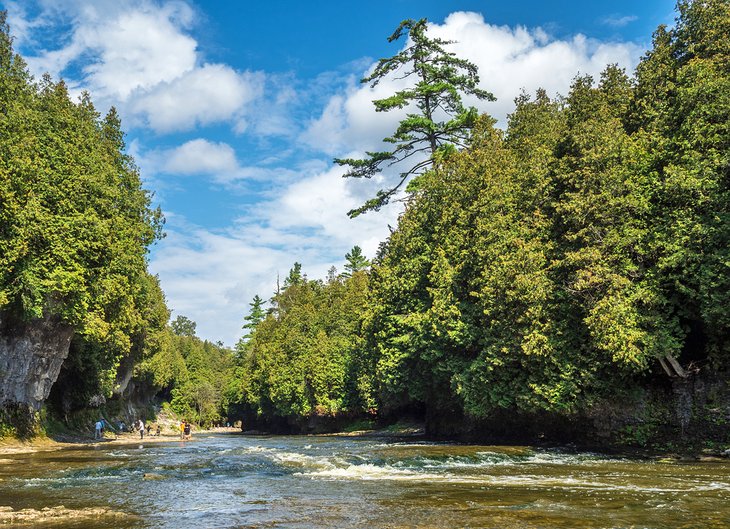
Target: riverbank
408	431
43	444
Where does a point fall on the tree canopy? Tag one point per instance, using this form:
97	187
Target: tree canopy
546	268
75	222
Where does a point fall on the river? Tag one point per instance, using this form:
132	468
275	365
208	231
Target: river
234	481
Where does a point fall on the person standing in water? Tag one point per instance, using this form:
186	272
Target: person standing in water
182	429
141	428
98	428
186	430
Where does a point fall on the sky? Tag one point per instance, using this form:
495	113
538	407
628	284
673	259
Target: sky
235	110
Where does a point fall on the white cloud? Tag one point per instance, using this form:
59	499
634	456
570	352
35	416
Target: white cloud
140	57
321	202
208	94
201	157
139	49
509	59
126	47
618	21
215	160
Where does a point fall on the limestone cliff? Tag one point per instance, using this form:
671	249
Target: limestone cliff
31	355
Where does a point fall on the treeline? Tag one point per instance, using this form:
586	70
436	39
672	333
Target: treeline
190	374
545	268
82	322
305	356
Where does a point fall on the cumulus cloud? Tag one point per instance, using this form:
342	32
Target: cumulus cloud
138	49
208	94
216	161
319	204
201	157
141	57
509	59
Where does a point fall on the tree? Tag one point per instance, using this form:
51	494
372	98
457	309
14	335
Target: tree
308	360
255	315
295	276
682	107
356	262
442	122
183	326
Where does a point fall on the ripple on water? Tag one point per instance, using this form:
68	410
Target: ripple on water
300	482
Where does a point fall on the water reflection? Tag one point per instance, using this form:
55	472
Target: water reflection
289	482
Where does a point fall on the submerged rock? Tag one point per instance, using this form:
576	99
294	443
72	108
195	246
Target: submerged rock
153	476
32	517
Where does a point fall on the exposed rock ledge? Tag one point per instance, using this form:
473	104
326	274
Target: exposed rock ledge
32	517
31	355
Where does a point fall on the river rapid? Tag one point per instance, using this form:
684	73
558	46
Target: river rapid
235	481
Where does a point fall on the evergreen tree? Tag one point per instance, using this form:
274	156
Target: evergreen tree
295	276
75	224
255	315
441	122
356	262
183	326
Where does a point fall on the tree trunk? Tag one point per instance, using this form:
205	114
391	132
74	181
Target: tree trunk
678	369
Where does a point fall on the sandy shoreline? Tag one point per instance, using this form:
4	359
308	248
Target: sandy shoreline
43	444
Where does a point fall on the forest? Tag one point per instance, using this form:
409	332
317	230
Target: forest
562	277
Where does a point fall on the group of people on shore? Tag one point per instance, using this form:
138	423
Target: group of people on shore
138	426
141	428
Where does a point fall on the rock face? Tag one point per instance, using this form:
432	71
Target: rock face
31	355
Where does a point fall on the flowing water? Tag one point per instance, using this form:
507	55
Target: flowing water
233	481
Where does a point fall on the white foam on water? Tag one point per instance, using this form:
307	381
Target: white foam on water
303	461
367	472
372	472
402	445
256	449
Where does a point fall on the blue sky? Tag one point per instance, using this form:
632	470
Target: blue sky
234	111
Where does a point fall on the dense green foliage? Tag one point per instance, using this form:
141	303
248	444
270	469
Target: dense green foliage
579	253
305	356
437	120
544	267
190	373
75	226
